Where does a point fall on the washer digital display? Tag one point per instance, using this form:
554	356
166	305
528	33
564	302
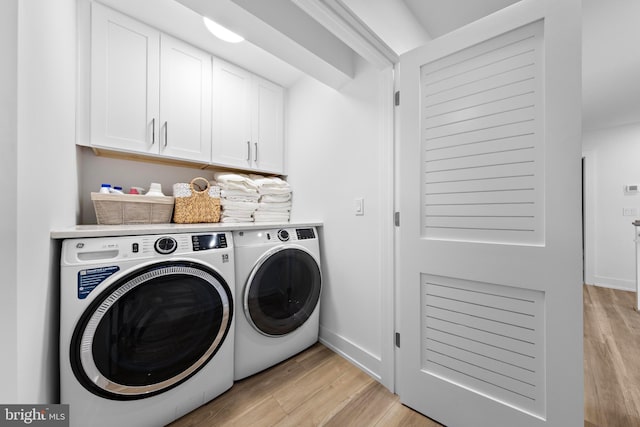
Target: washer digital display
203	242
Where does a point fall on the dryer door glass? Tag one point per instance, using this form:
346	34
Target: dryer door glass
152	330
282	292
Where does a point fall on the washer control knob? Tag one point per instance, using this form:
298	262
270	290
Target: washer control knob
283	235
165	245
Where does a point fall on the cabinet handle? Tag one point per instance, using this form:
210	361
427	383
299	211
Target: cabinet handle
248	150
166	141
153	131
255	159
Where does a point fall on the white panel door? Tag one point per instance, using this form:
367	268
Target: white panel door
490	266
124	82
185	101
231	141
267	126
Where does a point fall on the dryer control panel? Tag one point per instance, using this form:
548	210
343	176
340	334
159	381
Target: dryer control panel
305	233
274	236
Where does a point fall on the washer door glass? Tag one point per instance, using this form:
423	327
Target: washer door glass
151	330
282	291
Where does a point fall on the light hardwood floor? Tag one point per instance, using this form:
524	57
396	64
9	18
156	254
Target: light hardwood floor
320	388
314	388
611	358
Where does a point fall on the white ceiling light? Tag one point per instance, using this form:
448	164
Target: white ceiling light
221	32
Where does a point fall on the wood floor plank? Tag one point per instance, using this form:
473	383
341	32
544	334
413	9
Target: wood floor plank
310	383
611	364
319	388
266	414
402	416
324	404
366	409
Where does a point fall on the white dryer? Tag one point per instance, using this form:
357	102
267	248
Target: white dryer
278	279
146	326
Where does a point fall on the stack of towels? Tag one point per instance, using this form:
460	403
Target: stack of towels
238	197
275	199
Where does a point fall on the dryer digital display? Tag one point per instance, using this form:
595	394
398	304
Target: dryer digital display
305	233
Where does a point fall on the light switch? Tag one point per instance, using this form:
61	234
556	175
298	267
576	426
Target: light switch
629	212
359	206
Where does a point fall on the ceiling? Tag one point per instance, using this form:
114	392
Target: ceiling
284	42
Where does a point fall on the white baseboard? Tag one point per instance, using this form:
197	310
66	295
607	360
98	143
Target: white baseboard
355	354
613	283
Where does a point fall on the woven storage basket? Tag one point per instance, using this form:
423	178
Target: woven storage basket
195	205
115	209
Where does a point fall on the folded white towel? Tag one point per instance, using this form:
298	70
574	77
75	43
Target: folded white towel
233	205
234	180
274	190
241	199
273	181
274	207
237	186
264	214
230	176
248	195
275	198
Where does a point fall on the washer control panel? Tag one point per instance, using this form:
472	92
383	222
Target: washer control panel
283	235
165	245
94	250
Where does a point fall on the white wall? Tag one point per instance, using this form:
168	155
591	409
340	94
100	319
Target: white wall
45	183
610	89
338	150
612	158
8	176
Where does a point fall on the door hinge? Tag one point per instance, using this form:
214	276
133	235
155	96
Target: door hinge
396	98
396	219
398	339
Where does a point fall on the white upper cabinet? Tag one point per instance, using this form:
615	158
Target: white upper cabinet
185	101
247	120
159	96
231	136
267	126
150	93
125	73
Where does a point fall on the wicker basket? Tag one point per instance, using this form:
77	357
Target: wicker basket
196	205
115	209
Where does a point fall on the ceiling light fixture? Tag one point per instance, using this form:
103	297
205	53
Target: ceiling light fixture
221	32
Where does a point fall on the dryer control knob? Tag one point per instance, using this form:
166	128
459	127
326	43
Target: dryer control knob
283	235
165	245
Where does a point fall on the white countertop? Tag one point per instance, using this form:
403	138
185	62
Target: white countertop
81	231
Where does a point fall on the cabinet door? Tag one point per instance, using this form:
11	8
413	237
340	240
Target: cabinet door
231	139
185	101
267	127
124	82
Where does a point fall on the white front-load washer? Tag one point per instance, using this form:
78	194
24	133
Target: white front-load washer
278	279
146	326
